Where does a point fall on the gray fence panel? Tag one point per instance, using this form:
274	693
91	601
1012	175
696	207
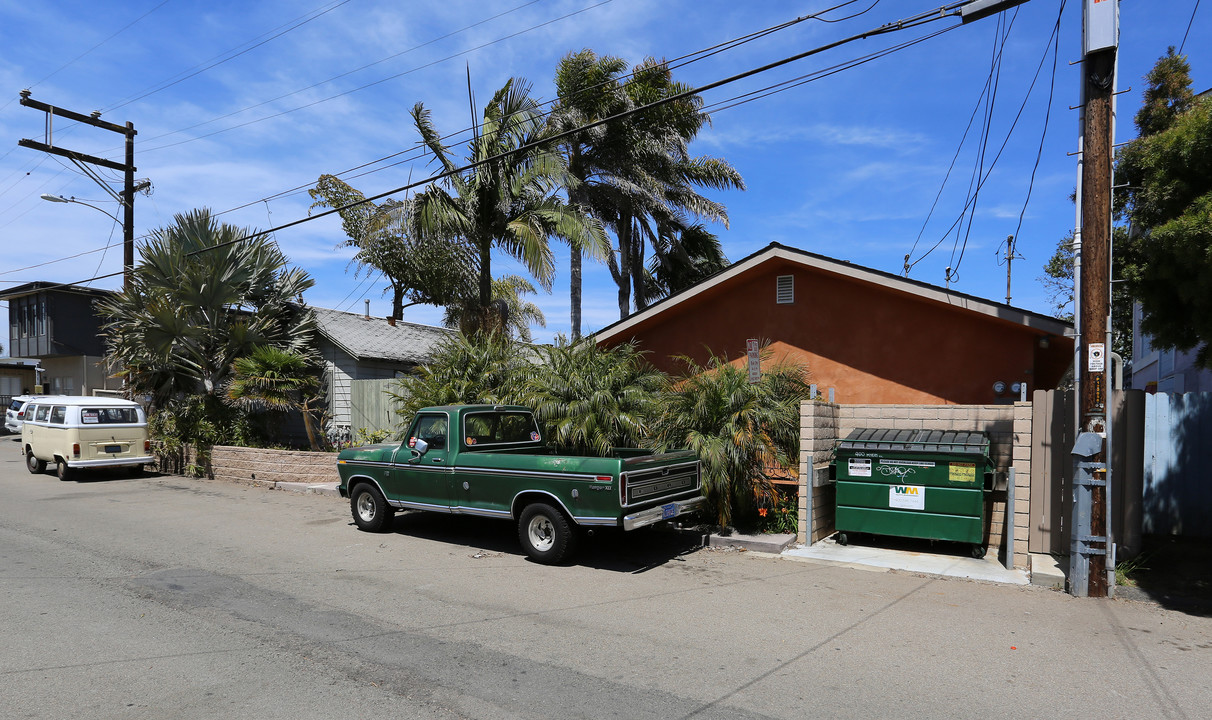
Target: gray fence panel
370	406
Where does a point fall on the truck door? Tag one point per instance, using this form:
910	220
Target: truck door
422	479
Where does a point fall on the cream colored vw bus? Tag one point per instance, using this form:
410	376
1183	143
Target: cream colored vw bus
77	432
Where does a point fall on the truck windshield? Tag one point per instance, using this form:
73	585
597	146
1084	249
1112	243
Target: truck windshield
499	428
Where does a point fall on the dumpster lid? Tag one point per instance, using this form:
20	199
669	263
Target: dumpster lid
917	440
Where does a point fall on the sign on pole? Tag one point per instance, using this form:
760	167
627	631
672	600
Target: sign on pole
755	363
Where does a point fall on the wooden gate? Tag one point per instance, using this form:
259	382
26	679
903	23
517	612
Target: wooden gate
1052	424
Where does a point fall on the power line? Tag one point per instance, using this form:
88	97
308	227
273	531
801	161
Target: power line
1189	23
951	10
202	67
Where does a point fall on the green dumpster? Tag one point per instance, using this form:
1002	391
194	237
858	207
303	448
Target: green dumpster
913	483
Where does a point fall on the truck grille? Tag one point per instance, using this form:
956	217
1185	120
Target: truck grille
648	485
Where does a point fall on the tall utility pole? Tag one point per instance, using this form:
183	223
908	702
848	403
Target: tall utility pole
1100	40
126	197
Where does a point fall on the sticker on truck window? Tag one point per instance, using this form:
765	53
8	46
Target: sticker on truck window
907	497
962	472
859	467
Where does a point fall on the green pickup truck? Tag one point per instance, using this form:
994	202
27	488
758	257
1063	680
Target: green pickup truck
493	461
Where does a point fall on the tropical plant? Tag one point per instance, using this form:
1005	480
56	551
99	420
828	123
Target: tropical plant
636	174
202	295
663	201
277	380
424	269
507	200
592	399
740	430
516	314
465	369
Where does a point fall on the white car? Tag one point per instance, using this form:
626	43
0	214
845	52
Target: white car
14	415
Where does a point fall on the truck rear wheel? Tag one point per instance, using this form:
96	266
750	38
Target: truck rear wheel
370	510
545	534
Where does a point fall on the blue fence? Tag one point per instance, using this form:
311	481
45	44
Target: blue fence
1178	465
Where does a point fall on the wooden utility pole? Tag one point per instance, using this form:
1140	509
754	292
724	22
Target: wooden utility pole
1100	41
126	197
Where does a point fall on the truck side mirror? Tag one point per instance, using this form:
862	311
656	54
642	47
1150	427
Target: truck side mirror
420	447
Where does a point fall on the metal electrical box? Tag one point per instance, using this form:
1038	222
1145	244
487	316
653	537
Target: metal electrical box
926	484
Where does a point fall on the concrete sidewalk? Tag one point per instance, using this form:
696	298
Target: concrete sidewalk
908	560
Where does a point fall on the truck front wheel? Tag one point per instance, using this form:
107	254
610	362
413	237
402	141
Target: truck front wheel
546	535
370	510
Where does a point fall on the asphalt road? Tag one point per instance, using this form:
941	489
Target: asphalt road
164	597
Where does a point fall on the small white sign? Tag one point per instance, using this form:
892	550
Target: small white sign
755	362
860	467
907	497
1096	357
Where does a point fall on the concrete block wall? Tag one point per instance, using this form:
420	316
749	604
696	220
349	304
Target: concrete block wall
258	466
1008	427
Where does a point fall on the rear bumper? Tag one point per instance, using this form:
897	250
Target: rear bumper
654	515
111	462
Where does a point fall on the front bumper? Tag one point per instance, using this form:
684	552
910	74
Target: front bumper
654	515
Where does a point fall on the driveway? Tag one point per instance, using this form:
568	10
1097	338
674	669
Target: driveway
167	597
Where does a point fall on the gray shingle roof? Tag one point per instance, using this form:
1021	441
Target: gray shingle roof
376	339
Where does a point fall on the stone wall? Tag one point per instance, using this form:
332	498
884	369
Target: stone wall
1009	429
259	466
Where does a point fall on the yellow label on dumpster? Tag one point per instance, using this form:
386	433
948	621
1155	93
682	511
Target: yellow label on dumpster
962	472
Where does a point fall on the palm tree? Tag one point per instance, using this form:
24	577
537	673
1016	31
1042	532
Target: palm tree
487	367
508	199
739	429
682	260
277	380
202	295
516	314
589	89
666	178
592	399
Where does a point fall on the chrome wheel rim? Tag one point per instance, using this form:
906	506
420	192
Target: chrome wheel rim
366	507
541	533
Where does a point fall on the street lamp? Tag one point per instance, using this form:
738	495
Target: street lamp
60	199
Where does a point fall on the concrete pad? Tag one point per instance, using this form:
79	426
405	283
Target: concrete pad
329	488
867	556
1046	571
766	542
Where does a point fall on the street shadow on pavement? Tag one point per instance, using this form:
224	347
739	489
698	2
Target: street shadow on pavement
606	549
1174	572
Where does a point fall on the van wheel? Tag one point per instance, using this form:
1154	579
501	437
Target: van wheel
63	471
370	510
33	464
546	535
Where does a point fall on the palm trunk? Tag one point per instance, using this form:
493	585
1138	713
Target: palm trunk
574	291
624	276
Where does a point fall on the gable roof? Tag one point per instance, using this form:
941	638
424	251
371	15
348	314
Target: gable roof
375	338
822	263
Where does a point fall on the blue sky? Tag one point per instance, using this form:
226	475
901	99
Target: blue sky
848	165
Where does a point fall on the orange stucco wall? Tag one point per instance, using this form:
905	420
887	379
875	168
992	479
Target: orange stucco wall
870	343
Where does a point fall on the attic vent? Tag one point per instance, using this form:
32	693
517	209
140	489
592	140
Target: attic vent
785	295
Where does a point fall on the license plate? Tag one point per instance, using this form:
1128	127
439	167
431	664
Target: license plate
113	448
668	511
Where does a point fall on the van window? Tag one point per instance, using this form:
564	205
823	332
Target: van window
42	412
58	414
109	416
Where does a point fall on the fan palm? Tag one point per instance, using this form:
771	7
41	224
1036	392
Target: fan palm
202	295
277	380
